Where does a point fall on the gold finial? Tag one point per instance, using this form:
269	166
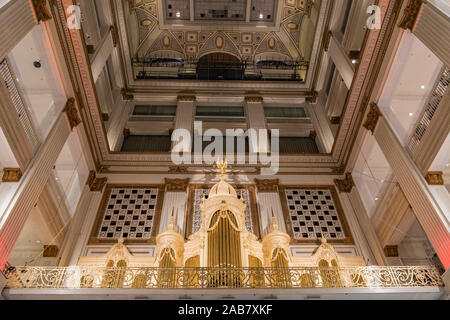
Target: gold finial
222	165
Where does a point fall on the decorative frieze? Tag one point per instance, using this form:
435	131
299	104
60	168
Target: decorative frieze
72	113
372	118
346	185
391	251
176	185
11	174
267	185
410	14
41	11
186	98
435	178
96	184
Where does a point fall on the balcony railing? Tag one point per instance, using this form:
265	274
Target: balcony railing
215	278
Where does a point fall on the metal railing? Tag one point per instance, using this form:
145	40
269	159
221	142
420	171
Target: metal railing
429	111
215	278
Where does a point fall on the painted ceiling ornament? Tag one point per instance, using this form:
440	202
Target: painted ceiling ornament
219	42
271	43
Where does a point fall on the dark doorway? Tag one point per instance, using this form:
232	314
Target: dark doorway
220	66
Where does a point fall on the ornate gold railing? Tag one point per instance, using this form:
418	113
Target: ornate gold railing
212	278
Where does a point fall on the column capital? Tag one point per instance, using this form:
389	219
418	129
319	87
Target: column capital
267	185
186	98
11	174
96	184
41	11
176	185
391	251
72	113
435	178
410	14
311	97
254	99
125	95
346	185
372	118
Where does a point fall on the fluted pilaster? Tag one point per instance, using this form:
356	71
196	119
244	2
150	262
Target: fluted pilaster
30	188
432	28
16	20
413	184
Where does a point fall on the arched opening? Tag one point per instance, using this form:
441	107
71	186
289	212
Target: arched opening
224	249
219	66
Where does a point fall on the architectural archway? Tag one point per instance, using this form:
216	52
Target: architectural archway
219	66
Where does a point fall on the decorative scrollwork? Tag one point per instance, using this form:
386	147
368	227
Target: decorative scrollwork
209	278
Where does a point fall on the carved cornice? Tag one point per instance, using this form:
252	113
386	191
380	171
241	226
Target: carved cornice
346	185
176	185
96	184
41	11
254	99
372	118
72	113
267	185
125	95
186	98
410	14
391	251
11	175
435	178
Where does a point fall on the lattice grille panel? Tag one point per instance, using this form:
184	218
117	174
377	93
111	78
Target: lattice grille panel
313	214
201	193
129	212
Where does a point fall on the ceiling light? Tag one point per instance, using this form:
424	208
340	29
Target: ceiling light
261	16
178	14
422	87
354	61
411	114
376	199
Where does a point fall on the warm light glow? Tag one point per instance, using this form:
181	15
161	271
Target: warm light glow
178	14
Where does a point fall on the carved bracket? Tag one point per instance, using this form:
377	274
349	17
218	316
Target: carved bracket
435	178
410	14
346	185
176	185
372	118
72	113
11	175
267	185
41	11
186	98
96	184
254	99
